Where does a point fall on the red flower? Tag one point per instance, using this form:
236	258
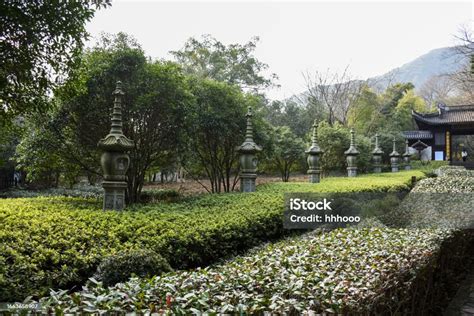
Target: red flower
169	300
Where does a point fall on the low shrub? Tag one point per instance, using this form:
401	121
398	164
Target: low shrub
57	242
159	195
125	264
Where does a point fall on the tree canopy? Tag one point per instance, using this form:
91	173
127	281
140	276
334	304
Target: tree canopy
40	42
234	63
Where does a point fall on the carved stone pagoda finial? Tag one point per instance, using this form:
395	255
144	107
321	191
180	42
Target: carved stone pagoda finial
116	140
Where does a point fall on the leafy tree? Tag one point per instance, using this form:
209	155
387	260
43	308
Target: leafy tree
234	63
335	140
392	95
40	43
288	151
156	96
408	103
365	116
9	138
216	126
299	117
39	154
389	112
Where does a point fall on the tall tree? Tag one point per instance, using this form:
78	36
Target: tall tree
288	151
403	111
298	116
233	64
155	100
216	127
365	116
336	91
436	90
40	42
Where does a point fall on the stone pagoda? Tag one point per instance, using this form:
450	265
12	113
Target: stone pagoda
406	156
115	160
377	156
248	161
394	157
351	157
314	152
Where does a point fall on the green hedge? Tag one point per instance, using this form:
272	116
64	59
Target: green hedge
376	271
59	242
346	271
333	272
159	195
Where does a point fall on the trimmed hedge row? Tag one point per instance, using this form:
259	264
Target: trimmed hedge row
344	271
348	271
376	271
59	242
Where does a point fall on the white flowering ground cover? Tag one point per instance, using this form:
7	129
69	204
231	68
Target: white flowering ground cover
446	201
376	270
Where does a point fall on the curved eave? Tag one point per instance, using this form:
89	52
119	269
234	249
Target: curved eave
427	118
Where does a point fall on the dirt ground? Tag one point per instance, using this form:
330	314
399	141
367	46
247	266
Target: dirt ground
191	187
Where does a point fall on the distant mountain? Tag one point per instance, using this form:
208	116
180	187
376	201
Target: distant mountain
436	62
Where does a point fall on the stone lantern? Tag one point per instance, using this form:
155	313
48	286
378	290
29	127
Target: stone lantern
248	161
394	158
115	160
351	157
314	152
377	156
406	156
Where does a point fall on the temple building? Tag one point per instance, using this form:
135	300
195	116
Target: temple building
437	132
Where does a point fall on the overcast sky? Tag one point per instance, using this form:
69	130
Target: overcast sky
371	37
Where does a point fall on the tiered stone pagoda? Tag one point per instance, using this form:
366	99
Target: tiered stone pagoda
248	161
406	156
377	156
115	160
351	157
314	152
394	157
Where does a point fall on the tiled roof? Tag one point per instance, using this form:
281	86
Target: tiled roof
418	134
447	115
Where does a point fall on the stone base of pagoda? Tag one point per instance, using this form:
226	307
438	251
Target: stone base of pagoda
314	175
351	171
114	196
377	169
248	182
